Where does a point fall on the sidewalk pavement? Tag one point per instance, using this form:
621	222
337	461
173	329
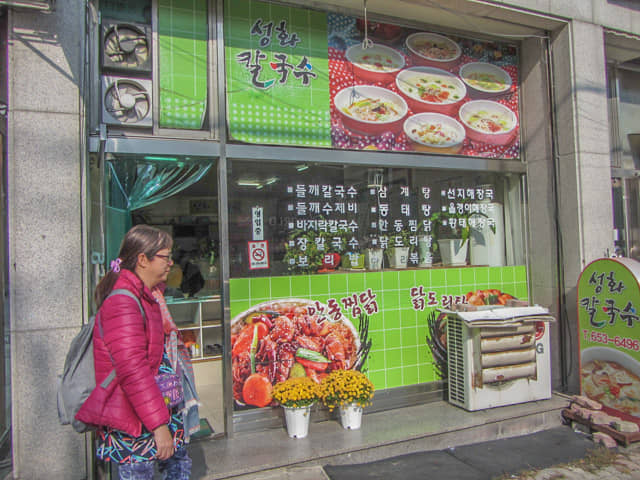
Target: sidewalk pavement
425	441
432	426
506	459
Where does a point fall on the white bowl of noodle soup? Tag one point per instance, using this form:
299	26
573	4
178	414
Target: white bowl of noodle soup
370	110
434	133
378	63
428	89
433	50
488	122
611	377
485	80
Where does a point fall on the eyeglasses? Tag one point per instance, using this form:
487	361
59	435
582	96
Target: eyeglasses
166	258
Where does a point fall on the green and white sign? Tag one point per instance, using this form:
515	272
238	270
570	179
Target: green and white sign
277	74
609	332
382	322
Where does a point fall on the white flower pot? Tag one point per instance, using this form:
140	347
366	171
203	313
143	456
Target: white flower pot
351	416
373	258
453	252
297	419
398	257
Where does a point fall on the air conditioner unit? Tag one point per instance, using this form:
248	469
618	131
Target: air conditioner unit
493	365
126	47
127	101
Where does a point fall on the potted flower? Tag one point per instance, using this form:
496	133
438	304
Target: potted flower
296	395
350	391
399	248
452	232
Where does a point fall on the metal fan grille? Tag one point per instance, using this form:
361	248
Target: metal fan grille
127	101
126	46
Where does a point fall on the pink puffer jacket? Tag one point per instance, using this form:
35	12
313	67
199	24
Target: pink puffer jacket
133	399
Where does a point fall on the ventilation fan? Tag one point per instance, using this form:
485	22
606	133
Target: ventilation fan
126	47
127	101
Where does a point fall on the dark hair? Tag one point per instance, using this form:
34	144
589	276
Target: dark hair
140	239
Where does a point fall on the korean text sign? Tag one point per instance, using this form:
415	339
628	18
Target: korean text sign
277	74
609	333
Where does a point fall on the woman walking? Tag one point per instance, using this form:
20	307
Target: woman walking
137	426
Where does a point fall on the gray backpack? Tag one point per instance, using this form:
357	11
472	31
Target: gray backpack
78	378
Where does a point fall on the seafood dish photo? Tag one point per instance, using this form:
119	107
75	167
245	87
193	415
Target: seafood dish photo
276	340
377	63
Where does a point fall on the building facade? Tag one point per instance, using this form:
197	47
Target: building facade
232	124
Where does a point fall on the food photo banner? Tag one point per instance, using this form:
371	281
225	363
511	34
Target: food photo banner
382	323
395	89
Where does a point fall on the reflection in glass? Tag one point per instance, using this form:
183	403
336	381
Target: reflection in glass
323	218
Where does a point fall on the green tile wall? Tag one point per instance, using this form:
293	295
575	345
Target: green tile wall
399	354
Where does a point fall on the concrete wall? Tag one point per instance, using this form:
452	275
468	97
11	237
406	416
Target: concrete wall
538	152
45	236
584	164
616	14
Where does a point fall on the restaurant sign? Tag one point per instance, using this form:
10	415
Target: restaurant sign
609	333
308	78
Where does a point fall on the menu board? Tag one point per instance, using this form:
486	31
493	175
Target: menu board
329	225
609	332
301	77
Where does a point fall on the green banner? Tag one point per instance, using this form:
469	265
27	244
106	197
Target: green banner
182	42
277	74
385	322
608	302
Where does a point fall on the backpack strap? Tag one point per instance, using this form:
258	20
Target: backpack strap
119	291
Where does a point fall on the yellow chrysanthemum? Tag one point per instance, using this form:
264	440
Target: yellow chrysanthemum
296	392
341	387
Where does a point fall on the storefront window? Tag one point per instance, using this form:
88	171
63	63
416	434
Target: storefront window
300	218
354	258
178	194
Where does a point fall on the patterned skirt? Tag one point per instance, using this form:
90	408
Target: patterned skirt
114	445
